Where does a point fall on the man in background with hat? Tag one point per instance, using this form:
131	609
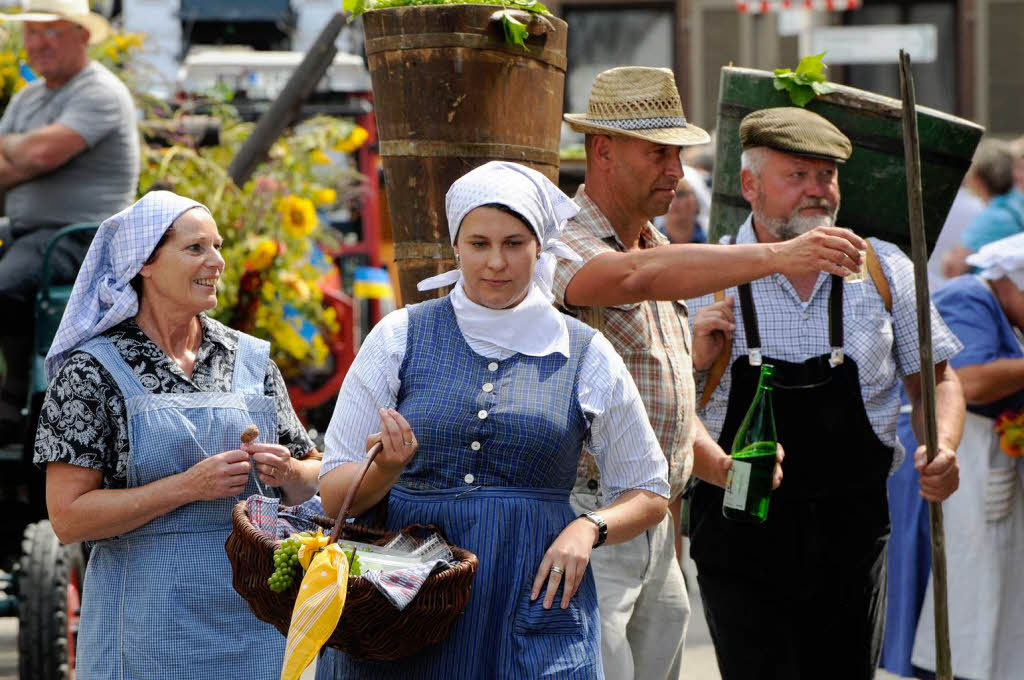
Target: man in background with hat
69	152
802	595
629	285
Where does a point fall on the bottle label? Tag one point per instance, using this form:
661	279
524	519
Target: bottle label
737	484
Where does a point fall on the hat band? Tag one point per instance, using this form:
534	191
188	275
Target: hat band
641	123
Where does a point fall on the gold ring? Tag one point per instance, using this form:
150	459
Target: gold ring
557	569
409	443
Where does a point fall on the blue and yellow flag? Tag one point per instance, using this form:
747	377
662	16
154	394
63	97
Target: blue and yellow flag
372	283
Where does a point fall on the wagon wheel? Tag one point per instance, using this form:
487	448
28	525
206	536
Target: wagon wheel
50	578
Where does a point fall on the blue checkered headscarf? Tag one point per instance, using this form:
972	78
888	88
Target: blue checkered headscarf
103	295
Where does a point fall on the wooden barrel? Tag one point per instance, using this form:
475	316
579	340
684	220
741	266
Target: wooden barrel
873	182
450	95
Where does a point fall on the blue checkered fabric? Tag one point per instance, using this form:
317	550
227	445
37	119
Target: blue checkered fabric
506	501
158	601
103	295
533	426
884	345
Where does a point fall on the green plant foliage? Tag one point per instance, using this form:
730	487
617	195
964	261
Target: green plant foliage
515	30
806	82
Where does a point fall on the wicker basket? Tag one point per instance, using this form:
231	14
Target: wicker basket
370	626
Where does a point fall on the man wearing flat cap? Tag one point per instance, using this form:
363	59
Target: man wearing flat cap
802	595
69	153
630	285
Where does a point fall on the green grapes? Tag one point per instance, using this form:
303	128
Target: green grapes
286	564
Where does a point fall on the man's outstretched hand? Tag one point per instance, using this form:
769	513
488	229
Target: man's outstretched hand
832	250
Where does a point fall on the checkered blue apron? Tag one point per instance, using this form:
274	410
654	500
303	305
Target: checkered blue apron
158	601
499	444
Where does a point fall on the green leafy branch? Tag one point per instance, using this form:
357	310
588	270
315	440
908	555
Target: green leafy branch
516	31
806	82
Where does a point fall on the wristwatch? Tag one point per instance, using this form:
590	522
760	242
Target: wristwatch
602	527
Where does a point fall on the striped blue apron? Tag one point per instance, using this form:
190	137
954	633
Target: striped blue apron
499	444
158	600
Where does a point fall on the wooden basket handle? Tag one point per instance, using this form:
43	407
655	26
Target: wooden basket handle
353	490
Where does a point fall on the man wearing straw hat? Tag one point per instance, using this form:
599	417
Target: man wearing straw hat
802	595
69	153
630	285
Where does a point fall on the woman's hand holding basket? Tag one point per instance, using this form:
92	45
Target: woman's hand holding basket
398	441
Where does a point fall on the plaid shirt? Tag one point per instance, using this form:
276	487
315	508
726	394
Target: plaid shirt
653	339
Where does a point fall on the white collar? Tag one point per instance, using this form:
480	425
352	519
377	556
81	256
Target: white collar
533	327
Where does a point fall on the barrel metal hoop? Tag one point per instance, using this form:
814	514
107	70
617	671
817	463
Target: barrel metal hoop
438	149
418	41
891	146
422	250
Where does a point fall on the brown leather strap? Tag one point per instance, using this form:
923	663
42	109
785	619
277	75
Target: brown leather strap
721	363
878	277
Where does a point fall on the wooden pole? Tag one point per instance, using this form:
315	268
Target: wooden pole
285	108
919	255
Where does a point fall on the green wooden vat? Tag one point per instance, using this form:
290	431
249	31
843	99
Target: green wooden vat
873	182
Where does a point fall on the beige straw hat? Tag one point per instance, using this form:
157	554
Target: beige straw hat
75	11
637	101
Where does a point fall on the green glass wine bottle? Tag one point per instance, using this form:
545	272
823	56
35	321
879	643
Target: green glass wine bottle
749	485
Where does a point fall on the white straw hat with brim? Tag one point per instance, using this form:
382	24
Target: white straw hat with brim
637	101
75	11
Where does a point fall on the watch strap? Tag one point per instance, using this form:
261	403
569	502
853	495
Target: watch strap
602	527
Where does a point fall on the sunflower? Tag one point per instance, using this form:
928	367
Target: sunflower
299	216
356	138
325	196
262	255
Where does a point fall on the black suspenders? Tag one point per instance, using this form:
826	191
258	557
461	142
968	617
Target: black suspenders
835	322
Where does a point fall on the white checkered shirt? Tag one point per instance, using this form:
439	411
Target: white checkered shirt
884	346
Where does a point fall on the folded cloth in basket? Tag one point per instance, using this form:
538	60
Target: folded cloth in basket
400	586
277	521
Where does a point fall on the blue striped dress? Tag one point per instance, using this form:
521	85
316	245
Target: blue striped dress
499	443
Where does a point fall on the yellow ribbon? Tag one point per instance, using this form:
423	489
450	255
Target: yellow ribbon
317	609
311	543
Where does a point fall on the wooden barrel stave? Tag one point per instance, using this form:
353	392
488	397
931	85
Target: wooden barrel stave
449	96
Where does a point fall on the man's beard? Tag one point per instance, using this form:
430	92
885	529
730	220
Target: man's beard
785	228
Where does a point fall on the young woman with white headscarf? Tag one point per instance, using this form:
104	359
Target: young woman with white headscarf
492	393
140	435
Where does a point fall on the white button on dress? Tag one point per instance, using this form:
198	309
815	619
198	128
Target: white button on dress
488	387
469	479
493	366
482	414
475	446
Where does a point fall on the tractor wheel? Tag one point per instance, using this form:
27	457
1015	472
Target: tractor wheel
50	577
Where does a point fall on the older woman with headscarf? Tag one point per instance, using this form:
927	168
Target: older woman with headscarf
140	436
498	390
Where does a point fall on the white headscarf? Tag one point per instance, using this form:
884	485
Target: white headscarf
533	327
103	296
1004	257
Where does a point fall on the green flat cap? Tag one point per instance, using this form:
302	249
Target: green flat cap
797	131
